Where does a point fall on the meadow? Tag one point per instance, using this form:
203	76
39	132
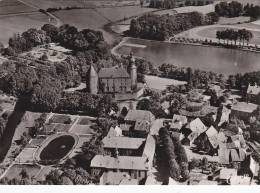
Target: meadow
14	6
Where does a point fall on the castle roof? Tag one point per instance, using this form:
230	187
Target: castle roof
113	72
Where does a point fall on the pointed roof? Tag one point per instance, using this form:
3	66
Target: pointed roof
197	126
92	72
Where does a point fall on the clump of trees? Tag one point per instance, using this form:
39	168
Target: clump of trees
231	35
236	9
158	27
173	155
195	78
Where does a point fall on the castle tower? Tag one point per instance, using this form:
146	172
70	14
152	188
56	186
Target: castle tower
133	72
92	80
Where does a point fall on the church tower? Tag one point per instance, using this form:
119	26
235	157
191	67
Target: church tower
92	80
133	72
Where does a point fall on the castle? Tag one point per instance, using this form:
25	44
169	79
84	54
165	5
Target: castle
113	80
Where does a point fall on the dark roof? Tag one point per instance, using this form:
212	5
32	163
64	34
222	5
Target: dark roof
113	72
139	115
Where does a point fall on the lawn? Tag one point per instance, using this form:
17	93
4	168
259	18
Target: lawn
82	18
36	142
62	127
14	6
15	170
18	24
82	130
159	83
26	156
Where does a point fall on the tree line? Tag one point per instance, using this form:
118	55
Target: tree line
231	35
156	27
236	9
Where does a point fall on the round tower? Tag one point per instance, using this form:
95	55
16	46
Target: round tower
133	72
93	80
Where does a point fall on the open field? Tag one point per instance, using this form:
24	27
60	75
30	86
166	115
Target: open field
234	20
18	24
159	83
82	18
44	4
209	32
115	14
14	6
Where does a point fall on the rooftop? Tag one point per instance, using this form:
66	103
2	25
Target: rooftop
244	107
135	115
254	90
121	162
122	142
113	72
178	121
226	173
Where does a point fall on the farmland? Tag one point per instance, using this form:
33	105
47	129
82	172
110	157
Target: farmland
14	6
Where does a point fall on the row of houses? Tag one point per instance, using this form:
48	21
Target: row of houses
129	151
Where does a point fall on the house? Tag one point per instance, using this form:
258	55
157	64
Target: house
113	178
141	122
123	146
208	141
193	129
243	110
253	94
178	121
135	167
234	155
226	174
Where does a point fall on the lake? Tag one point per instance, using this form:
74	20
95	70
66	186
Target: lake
220	60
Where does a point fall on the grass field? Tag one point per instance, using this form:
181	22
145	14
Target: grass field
18	24
14	6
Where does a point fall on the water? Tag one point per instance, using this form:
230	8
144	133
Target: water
57	148
220	60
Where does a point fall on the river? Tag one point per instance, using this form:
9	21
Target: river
215	59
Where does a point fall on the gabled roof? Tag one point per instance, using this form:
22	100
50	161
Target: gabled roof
135	115
113	72
122	142
197	126
178	121
254	90
239	139
227	156
141	125
121	162
211	131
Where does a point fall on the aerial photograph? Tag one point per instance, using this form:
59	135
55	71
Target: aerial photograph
130	92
